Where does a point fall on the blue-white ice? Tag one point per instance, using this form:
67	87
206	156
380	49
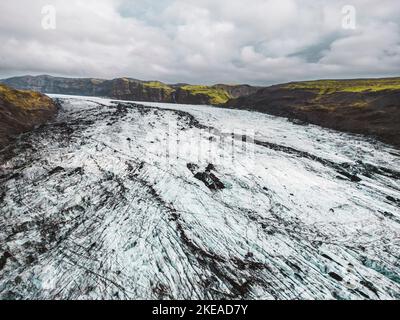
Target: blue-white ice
101	204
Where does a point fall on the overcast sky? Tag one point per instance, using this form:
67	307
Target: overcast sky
201	41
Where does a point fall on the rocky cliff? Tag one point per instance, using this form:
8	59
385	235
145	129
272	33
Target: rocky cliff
132	89
21	111
365	106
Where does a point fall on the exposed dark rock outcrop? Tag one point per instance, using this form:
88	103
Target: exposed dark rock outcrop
211	181
21	111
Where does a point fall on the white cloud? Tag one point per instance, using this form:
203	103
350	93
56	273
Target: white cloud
255	41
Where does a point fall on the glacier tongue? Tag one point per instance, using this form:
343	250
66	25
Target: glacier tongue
108	202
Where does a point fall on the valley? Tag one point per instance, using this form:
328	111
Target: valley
127	200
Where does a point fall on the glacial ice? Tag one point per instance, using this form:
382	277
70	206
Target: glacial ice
108	201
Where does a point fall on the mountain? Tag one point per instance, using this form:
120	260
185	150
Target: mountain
132	89
21	111
362	106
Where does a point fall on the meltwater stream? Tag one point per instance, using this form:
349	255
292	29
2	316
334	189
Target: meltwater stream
116	200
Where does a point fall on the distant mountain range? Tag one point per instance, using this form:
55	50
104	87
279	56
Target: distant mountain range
362	106
132	89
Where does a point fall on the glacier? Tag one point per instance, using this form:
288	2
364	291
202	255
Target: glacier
128	200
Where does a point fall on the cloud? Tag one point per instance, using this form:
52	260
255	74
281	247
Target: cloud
234	41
